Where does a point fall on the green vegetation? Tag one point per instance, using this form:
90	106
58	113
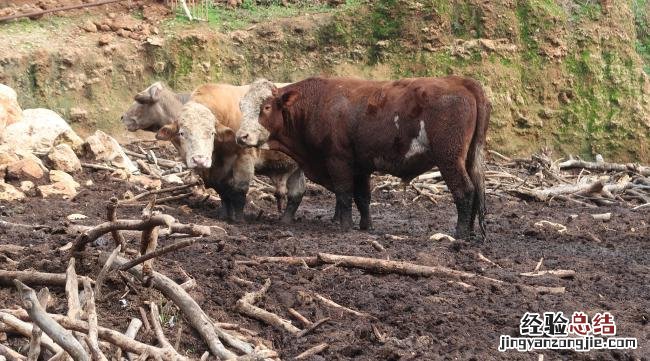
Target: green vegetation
641	9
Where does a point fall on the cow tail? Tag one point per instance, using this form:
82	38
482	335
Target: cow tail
475	163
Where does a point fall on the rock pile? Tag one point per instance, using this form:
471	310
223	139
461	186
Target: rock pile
40	153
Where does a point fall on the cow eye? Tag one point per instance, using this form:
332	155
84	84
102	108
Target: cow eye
181	133
267	108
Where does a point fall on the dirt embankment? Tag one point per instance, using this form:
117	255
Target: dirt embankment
562	75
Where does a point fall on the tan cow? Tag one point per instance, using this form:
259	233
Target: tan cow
204	133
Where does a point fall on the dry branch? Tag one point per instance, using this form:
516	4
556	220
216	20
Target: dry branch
116	338
313	351
312	327
104	271
562	273
157	327
26	329
10	354
34	278
193	313
91	312
111	216
293	261
605	166
331	303
157	253
399	267
72	291
139	225
35	341
246	306
305	322
58	334
131	332
158	191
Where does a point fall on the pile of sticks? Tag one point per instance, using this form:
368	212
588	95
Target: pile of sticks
77	334
539	178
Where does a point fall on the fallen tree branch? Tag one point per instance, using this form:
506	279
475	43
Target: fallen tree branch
562	273
158	191
193	313
313	351
11	354
91	312
331	303
35	341
399	267
104	272
138	225
58	334
116	338
173	247
605	166
34	278
111	216
293	261
26	329
246	306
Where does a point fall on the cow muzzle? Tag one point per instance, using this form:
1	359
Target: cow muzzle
198	161
246	139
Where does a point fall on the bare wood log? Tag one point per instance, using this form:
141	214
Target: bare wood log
114	337
104	271
93	341
399	267
145	319
245	305
545	194
562	273
605	166
11	354
58	334
72	291
5	224
131	332
173	247
157	327
331	303
294	261
25	329
34	278
111	216
193	313
487	260
313	351
538	266
305	322
138	225
312	327
35	341
189	284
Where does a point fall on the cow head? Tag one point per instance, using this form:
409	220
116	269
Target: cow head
150	110
262	112
193	134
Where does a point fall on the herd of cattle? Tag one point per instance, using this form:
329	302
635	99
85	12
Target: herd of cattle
336	131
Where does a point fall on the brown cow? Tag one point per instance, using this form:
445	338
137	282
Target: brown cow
204	133
340	130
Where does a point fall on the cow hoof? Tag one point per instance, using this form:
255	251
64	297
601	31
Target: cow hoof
365	226
286	220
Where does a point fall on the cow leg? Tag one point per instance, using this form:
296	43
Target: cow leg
280	183
362	199
295	192
343	182
462	190
242	174
337	213
225	209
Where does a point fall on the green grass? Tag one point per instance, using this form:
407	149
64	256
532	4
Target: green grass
642	22
226	19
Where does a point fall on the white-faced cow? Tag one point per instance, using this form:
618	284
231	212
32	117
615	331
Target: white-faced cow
340	130
204	133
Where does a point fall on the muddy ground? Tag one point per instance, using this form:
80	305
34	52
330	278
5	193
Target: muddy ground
421	318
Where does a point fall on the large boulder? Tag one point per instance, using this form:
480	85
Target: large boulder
9	193
36	132
10	111
63	158
106	149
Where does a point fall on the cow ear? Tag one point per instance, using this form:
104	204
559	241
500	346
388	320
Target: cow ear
224	134
154	92
167	132
289	98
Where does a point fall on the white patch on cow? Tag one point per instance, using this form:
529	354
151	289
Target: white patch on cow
395	121
419	144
